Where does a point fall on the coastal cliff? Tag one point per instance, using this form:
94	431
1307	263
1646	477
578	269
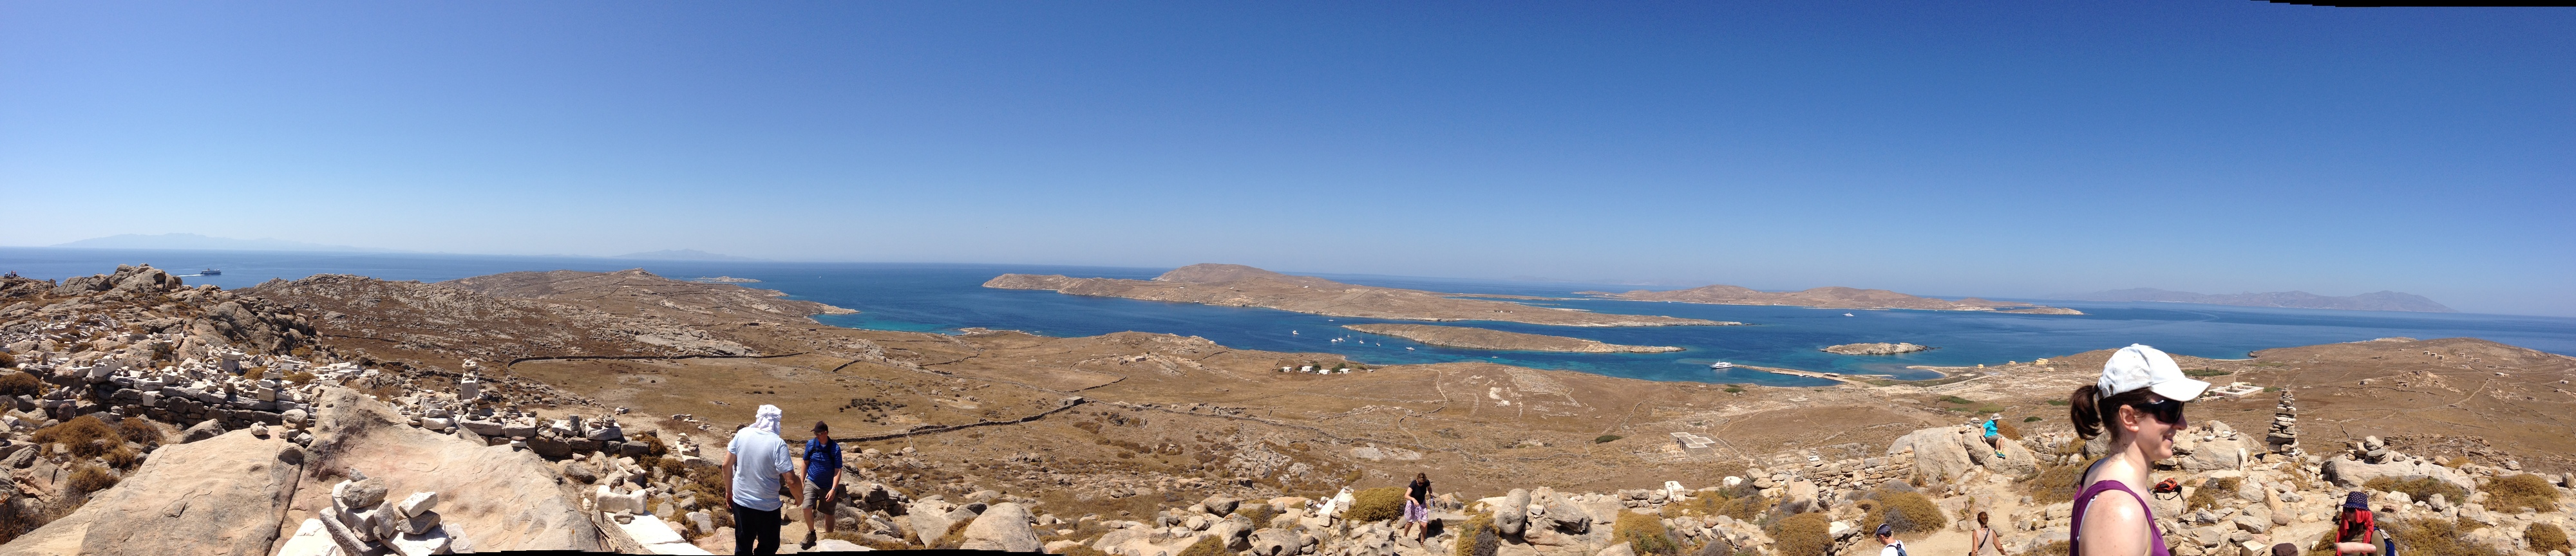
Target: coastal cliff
1244	286
1479	338
1830	297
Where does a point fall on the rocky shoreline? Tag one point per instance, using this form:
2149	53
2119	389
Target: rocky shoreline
1243	286
1879	348
1479	338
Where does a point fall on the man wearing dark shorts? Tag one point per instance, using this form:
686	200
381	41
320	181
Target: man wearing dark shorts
822	475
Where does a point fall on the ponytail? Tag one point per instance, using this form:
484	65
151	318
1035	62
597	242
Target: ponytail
2081	408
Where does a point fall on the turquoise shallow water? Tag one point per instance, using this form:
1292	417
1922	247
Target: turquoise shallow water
944	298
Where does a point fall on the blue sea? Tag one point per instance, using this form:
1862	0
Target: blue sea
947	297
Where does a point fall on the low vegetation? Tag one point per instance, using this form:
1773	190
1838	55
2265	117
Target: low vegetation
2054	483
2545	537
2205	373
2206	497
2515	493
1207	546
91	478
1478	537
20	384
2434	537
1801	535
2420	488
1605	439
1376	504
81	435
1907	511
1644	534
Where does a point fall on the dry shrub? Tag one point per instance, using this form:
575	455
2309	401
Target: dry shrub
2053	548
1376	504
1082	532
7	360
1260	515
91	478
1077	550
2545	537
2009	431
2203	497
1207	546
2055	483
956	535
1478	537
123	458
300	377
78	435
1644	534
140	431
20	384
1746	508
2434	537
1801	535
1908	512
2515	493
2420	488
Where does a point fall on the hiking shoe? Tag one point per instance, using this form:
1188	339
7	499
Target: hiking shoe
1999	454
809	539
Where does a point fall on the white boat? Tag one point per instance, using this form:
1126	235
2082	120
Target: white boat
1847	314
1721	365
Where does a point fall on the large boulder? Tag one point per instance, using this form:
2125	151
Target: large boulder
216	496
1513	513
1003	527
1940	454
495	498
2346	472
929	519
1800	497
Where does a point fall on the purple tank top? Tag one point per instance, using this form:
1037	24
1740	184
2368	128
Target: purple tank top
2075	530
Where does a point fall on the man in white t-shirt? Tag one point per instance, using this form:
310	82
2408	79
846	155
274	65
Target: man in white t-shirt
759	464
1887	536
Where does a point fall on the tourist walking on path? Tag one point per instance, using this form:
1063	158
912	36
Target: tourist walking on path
822	478
1417	507
1889	546
2138	402
758	462
1985	538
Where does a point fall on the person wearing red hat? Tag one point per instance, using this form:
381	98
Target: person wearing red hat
2138	403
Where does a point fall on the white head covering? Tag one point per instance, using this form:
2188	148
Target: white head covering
767	418
2139	366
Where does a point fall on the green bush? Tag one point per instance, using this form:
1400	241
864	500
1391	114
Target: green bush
1909	512
1478	537
2031	419
1644	534
1801	535
1958	400
2420	488
2206	373
20	384
2545	537
1376	504
1734	389
1605	439
2515	493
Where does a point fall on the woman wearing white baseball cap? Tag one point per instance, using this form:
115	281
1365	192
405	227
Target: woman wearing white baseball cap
2138	402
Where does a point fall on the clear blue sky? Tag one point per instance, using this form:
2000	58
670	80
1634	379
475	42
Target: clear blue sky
1954	148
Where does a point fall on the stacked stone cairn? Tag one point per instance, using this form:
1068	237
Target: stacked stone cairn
2372	450
2284	437
362	520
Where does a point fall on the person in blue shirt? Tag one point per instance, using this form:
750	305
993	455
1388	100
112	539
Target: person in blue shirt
758	462
1995	437
822	475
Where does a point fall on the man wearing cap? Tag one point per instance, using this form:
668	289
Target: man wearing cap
2138	404
1887	537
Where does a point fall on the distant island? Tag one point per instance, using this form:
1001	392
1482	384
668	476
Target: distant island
1831	297
2374	301
1879	348
1244	286
682	255
196	242
1479	338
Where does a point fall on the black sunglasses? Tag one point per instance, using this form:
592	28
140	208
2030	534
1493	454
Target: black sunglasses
2164	409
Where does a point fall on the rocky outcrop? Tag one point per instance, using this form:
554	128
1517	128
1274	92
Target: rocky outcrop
1479	338
1880	348
218	496
1242	286
516	501
1003	527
